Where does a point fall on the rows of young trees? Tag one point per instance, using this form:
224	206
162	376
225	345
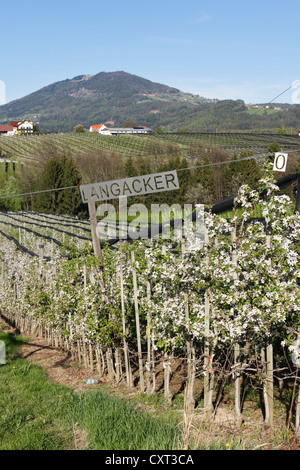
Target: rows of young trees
225	313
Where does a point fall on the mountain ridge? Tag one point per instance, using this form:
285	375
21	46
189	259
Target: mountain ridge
116	97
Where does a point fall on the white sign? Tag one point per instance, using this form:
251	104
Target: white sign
135	186
280	161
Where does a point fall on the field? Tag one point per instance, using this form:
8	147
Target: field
213	327
22	148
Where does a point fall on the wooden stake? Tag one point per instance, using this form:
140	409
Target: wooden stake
207	404
236	374
41	255
137	320
148	333
125	345
270	383
93	221
190	359
110	364
297	422
269	362
3	268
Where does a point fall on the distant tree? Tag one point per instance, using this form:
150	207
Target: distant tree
130	169
241	172
11	187
274	147
79	128
184	178
204	177
159	130
283	131
60	172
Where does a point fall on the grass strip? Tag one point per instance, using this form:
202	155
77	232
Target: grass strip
37	414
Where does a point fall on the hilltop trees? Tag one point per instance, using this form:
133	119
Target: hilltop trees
60	172
79	129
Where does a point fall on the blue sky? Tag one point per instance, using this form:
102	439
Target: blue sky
218	49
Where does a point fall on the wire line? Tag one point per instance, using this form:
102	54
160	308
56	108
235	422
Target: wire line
263	155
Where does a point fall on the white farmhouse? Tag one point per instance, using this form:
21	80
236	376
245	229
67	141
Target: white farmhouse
23	127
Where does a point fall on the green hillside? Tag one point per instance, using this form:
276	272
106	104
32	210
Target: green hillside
116	97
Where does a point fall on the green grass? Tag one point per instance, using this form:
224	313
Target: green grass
37	414
262	111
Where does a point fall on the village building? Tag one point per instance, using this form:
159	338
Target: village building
6	130
23	127
104	130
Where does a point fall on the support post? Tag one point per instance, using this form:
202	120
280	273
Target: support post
298	195
137	320
125	345
207	359
237	359
190	358
269	357
93	221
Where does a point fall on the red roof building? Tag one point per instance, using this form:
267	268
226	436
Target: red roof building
96	127
6	130
24	126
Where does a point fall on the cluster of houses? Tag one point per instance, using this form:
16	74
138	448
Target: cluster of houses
17	128
27	127
104	130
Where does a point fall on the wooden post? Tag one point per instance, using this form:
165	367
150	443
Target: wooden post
148	333
93	221
166	359
269	361
297	421
118	369
110	365
270	383
3	268
236	374
91	361
41	255
137	320
125	345
84	278
207	359
190	360
297	208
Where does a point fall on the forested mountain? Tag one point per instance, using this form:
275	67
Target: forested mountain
116	97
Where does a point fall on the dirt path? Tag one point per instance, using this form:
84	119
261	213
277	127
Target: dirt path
59	368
